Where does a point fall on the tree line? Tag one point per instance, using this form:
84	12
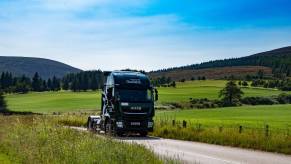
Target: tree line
24	84
83	81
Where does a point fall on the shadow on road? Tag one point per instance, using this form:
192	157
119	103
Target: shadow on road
136	137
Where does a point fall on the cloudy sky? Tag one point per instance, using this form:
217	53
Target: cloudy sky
141	34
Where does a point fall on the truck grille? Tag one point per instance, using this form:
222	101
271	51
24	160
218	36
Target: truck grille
135	110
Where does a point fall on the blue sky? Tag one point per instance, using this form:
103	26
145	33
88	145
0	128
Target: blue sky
142	34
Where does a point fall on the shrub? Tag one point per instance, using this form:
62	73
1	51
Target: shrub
259	101
284	98
204	103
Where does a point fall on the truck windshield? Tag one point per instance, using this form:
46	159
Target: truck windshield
126	95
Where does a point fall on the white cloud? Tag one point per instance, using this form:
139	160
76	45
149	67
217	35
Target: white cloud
112	41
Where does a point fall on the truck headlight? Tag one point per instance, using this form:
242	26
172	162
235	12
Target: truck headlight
119	124
150	124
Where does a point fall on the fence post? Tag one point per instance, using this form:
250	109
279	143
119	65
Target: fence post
267	131
184	124
173	122
199	127
240	129
220	129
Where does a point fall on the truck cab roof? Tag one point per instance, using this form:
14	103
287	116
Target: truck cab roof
129	80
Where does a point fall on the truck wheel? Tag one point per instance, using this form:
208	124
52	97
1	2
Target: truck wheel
119	134
143	134
89	124
108	128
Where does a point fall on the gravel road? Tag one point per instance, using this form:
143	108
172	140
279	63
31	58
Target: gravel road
195	152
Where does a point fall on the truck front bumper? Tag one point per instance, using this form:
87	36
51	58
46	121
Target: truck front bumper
131	125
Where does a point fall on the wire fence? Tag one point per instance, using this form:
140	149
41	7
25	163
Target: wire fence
265	129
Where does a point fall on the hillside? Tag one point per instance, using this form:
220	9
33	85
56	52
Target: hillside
28	66
211	73
276	61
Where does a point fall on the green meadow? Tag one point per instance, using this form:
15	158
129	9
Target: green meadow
65	101
216	126
47	102
205	89
276	116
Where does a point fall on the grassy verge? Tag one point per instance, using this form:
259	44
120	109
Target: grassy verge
4	159
31	139
273	141
222	126
266	128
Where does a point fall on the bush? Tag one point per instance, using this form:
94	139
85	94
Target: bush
205	103
284	98
259	101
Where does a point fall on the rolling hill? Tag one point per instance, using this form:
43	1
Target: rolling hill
28	66
276	61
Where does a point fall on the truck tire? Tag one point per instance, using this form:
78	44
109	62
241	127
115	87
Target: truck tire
108	128
89	124
143	134
119	134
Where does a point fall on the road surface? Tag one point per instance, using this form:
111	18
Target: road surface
195	152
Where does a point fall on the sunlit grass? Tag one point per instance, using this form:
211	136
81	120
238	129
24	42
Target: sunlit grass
38	139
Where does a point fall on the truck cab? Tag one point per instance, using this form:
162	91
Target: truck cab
127	103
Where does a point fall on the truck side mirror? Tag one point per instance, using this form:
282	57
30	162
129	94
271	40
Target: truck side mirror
156	95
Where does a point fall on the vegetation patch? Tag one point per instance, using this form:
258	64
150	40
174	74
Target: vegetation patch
266	128
244	137
31	139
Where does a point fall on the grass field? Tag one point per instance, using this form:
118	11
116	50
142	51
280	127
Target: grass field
205	89
84	101
40	139
222	126
266	128
216	126
45	102
276	116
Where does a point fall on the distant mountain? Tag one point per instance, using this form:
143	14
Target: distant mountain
278	61
28	66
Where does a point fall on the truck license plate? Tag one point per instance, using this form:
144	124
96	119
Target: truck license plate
135	123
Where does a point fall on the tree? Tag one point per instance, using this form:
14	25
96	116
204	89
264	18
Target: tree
44	86
3	106
173	84
94	83
56	86
239	83
36	83
21	87
260	74
245	83
231	94
49	84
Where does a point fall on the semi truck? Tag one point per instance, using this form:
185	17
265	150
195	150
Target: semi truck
127	105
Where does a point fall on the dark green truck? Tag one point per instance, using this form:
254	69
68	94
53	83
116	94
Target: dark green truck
127	105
